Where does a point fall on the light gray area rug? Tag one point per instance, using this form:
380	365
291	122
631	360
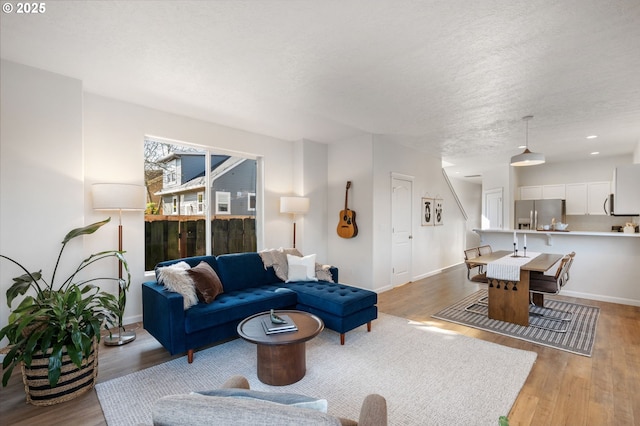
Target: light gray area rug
579	338
428	376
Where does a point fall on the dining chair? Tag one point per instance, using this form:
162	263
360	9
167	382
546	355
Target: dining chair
480	276
552	284
485	250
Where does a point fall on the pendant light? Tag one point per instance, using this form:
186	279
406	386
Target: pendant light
527	158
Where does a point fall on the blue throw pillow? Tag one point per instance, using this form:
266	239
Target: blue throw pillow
292	399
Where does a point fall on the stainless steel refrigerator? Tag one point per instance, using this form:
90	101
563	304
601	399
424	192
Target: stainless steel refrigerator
534	214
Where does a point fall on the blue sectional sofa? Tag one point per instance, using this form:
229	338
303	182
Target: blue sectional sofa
249	288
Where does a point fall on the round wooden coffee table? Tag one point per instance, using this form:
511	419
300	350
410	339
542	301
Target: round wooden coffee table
281	356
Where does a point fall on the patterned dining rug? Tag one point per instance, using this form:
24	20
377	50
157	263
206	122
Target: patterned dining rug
578	339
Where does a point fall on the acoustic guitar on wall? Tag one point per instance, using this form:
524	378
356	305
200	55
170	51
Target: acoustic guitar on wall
347	227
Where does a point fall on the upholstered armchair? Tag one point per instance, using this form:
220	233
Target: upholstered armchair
236	404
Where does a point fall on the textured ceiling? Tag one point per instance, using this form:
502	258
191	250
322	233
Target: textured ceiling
453	77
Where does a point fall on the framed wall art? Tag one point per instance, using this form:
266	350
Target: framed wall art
437	211
427	211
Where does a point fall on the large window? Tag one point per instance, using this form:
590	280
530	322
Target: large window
198	202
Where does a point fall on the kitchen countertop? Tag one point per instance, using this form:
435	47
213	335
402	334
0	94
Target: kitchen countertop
554	233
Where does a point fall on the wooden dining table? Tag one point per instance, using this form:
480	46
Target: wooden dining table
509	300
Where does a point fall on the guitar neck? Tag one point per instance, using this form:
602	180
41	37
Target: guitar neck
346	195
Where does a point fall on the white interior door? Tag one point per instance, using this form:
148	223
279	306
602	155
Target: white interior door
401	250
493	209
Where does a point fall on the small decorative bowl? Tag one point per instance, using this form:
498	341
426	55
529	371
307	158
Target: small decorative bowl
561	226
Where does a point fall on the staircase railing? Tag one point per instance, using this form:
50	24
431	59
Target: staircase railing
455	195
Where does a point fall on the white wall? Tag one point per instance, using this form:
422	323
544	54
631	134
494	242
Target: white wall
41	174
636	154
434	247
369	161
57	142
351	160
113	140
470	195
313	182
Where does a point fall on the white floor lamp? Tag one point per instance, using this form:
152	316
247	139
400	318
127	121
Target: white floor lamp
294	205
119	196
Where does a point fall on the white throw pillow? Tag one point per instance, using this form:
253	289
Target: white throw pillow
301	268
176	278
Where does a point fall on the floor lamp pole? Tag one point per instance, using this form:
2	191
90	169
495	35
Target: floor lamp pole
294	230
122	337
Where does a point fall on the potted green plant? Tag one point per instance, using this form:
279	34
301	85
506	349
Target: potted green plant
53	332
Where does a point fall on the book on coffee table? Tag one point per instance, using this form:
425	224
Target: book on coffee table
272	328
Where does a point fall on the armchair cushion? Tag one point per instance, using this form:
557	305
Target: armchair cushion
295	400
201	410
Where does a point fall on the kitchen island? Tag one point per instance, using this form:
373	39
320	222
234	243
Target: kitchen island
606	267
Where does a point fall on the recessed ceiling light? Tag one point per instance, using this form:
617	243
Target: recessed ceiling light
447	164
592	136
522	147
595	153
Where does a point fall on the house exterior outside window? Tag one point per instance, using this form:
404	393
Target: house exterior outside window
206	203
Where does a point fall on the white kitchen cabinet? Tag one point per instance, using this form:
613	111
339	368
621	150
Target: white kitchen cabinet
626	180
531	192
576	201
598	192
586	198
553	192
542	192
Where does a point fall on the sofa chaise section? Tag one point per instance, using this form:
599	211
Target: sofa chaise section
341	307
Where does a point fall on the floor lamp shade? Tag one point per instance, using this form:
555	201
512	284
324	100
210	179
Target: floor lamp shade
119	197
294	206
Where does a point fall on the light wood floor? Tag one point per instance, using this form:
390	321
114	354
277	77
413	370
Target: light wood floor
562	389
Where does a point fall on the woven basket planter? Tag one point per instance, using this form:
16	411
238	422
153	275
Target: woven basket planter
73	381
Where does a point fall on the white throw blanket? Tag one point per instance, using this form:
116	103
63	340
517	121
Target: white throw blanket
508	268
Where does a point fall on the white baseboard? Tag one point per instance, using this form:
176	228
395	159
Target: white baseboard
383	289
435	272
132	319
601	298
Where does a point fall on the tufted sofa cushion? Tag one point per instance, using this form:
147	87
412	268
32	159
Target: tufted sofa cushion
237	305
334	298
239	271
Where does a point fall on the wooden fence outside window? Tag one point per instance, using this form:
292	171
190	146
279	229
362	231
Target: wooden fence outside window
173	237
